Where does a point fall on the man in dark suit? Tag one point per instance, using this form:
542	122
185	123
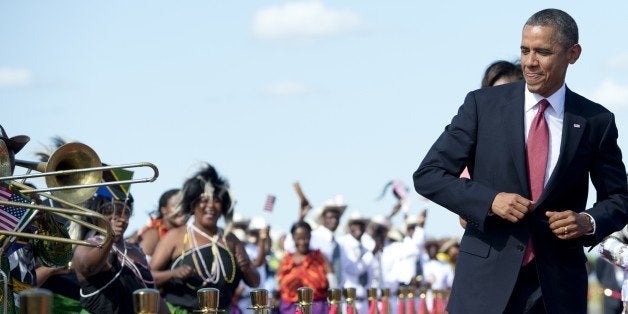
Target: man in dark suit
530	148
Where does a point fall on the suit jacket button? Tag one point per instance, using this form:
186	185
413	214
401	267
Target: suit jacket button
520	248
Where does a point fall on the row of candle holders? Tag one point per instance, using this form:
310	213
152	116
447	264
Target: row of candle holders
146	301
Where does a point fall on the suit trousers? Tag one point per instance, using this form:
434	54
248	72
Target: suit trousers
526	297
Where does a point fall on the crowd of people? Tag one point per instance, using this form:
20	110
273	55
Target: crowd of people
195	239
514	164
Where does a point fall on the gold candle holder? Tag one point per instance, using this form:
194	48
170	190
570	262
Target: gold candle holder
401	293
350	298
146	301
349	294
385	302
259	301
305	297
208	300
334	296
36	301
371	294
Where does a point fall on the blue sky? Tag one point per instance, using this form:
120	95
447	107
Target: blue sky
341	96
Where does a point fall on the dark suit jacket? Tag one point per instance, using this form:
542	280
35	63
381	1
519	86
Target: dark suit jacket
487	135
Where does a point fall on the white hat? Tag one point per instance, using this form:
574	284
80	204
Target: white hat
356	216
411	220
240	220
379	220
337	204
240	234
395	234
257	223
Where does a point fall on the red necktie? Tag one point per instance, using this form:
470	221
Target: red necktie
537	153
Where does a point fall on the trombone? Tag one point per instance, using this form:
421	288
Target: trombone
73	173
65	213
75	166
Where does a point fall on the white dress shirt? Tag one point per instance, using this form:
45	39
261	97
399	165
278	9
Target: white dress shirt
355	260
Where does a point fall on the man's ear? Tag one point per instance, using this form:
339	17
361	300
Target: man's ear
574	53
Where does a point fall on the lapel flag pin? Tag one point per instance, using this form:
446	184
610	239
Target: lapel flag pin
576	125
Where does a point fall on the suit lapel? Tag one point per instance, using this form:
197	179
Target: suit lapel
512	118
573	128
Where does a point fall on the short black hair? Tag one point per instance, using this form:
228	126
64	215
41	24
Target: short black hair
163	201
500	69
563	22
300	224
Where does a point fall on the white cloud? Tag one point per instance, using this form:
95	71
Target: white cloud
611	95
287	89
618	62
303	20
10	77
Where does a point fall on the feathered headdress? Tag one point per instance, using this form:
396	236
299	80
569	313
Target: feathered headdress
208	182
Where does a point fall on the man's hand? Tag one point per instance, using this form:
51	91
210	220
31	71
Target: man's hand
510	206
568	224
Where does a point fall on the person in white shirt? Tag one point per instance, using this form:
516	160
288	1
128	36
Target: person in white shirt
355	259
437	275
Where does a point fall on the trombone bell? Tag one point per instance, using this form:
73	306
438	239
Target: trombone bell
61	171
74	156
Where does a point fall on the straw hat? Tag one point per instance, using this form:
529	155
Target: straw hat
257	223
336	204
380	221
356	216
240	221
411	219
395	235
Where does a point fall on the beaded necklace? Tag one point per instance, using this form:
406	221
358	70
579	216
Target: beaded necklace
126	260
217	267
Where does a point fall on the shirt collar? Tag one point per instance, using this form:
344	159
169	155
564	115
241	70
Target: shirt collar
556	100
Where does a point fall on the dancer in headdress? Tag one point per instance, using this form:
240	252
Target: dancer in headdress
201	254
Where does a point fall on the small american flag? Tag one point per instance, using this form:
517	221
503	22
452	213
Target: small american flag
11	216
270	203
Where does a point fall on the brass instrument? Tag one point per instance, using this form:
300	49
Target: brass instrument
146	301
305	299
75	166
52	253
259	301
36	301
63	212
73	174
